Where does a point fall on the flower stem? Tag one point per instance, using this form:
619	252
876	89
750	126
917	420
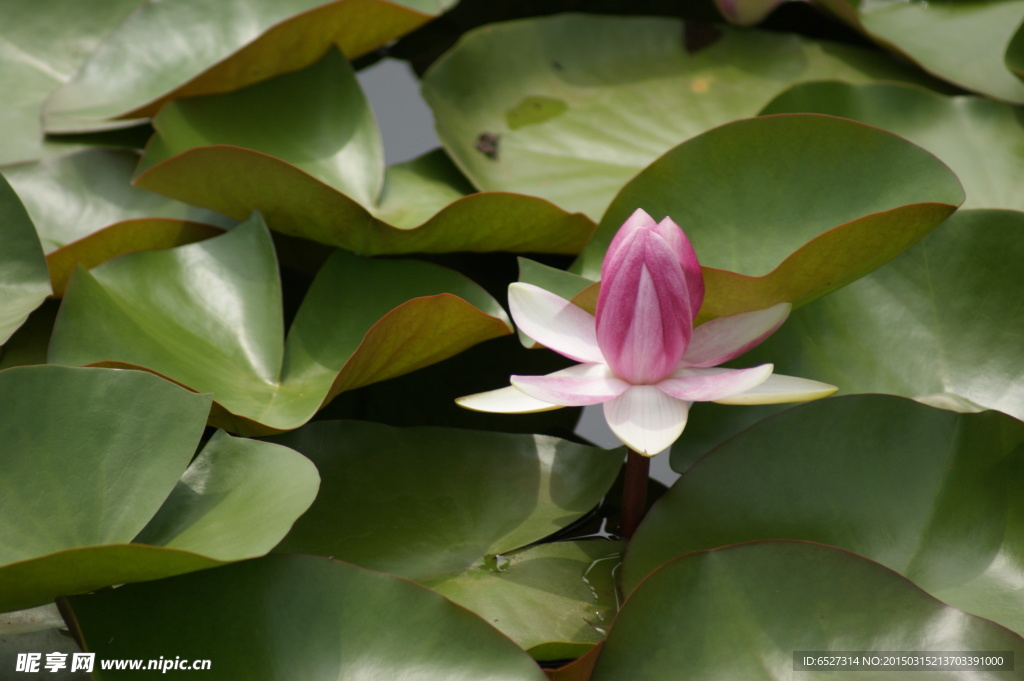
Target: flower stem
634	493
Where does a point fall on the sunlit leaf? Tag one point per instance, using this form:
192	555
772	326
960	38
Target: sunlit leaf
570	107
41	46
787	208
962	41
166	51
86	211
277	147
980	140
208	315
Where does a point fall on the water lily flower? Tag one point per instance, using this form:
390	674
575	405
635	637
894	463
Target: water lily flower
640	355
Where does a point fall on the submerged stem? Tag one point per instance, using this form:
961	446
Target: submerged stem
634	492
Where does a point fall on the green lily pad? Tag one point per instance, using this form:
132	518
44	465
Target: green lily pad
86	211
73	196
218	490
1014	56
185	49
941	323
28	345
787	208
24	280
932	494
469	500
277	147
584	102
94	455
41	47
962	41
126	236
318	117
313	619
223	295
955	129
747	612
555	600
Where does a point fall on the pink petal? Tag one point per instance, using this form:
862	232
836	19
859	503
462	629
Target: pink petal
636	222
576	386
778	389
687	257
505	401
646	419
554	322
644	319
724	338
707	385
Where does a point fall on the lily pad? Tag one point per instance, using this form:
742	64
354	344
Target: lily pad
277	147
747	612
86	211
469	500
313	618
184	49
932	494
941	323
555	600
955	129
223	295
27	346
126	236
962	41
858	196
24	281
318	117
1015	53
41	46
584	102
70	197
93	455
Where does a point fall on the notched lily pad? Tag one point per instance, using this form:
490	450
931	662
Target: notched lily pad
164	52
272	148
94	455
208	316
787	208
86	211
584	102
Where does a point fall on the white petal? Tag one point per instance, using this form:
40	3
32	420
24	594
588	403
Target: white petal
645	419
576	386
779	388
554	322
505	401
722	339
713	384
